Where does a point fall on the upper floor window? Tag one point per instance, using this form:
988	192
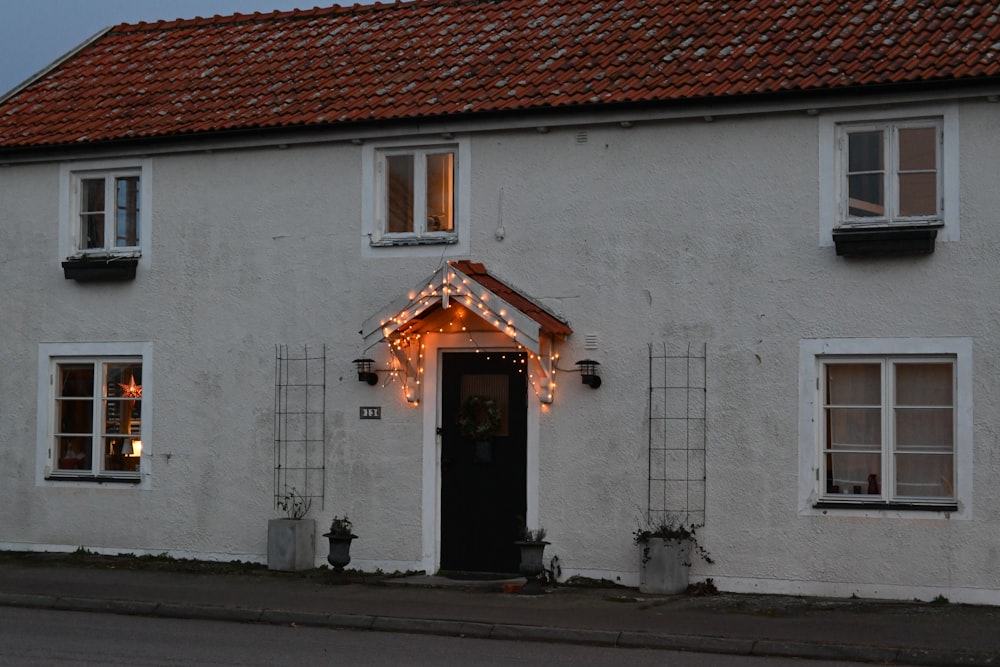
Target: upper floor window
105	208
416	196
109	205
891	172
94	410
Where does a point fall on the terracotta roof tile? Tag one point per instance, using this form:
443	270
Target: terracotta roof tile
549	322
437	57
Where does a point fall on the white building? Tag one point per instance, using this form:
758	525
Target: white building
772	227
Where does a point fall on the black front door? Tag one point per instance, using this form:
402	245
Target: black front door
483	460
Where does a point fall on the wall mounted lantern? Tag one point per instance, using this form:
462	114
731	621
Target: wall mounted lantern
366	370
589	373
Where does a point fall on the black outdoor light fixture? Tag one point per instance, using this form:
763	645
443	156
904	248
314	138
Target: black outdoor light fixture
589	373
366	370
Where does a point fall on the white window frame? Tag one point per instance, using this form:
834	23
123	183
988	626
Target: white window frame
70	176
813	499
833	127
52	354
420	243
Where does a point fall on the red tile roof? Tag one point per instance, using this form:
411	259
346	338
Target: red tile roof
442	57
548	322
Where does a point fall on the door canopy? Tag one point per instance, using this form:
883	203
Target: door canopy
441	303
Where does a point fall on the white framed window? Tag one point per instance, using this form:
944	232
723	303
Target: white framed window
105	208
890	172
93	411
886	424
890	169
416	196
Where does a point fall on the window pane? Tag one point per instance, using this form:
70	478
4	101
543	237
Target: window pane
853	473
924	429
74	452
925	475
92	213
854	384
866	195
854	428
123	403
865	174
918	194
917	148
864	152
76	380
74	416
440	192
117	456
924	384
92	195
399	194
127	212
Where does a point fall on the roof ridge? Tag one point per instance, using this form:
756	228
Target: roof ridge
295	14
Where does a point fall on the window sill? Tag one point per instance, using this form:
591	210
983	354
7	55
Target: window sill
103	268
94	479
885	240
434	240
889	506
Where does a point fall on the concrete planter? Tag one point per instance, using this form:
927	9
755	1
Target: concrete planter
664	565
291	544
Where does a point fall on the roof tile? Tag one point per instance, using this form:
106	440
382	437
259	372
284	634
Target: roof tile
433	57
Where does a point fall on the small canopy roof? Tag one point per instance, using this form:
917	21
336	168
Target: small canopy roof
497	304
471	285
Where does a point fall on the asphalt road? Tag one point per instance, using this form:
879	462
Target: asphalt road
63	638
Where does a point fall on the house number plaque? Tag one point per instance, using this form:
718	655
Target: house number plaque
371	412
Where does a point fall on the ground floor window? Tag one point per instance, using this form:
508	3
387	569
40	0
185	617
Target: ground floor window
889	428
94	412
888	422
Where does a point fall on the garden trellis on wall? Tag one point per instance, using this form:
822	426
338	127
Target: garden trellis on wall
677	397
300	423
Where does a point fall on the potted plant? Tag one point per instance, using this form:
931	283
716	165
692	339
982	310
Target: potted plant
665	556
340	537
291	541
532	545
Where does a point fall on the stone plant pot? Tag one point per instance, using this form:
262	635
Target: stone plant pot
340	551
664	566
532	565
291	544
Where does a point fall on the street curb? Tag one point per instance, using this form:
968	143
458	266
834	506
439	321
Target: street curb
702	644
853	653
503	631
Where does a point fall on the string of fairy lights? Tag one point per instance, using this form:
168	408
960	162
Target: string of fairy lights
407	345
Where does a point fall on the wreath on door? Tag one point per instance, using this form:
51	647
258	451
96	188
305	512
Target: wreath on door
479	417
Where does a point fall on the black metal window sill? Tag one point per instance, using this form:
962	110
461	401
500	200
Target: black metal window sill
890	506
96	479
886	240
104	268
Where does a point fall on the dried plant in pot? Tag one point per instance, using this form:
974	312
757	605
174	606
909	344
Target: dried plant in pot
291	541
665	555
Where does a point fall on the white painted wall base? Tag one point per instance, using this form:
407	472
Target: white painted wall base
846	590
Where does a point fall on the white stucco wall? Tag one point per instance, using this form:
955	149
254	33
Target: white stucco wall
674	231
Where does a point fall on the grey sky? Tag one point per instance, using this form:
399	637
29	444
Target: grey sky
34	33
